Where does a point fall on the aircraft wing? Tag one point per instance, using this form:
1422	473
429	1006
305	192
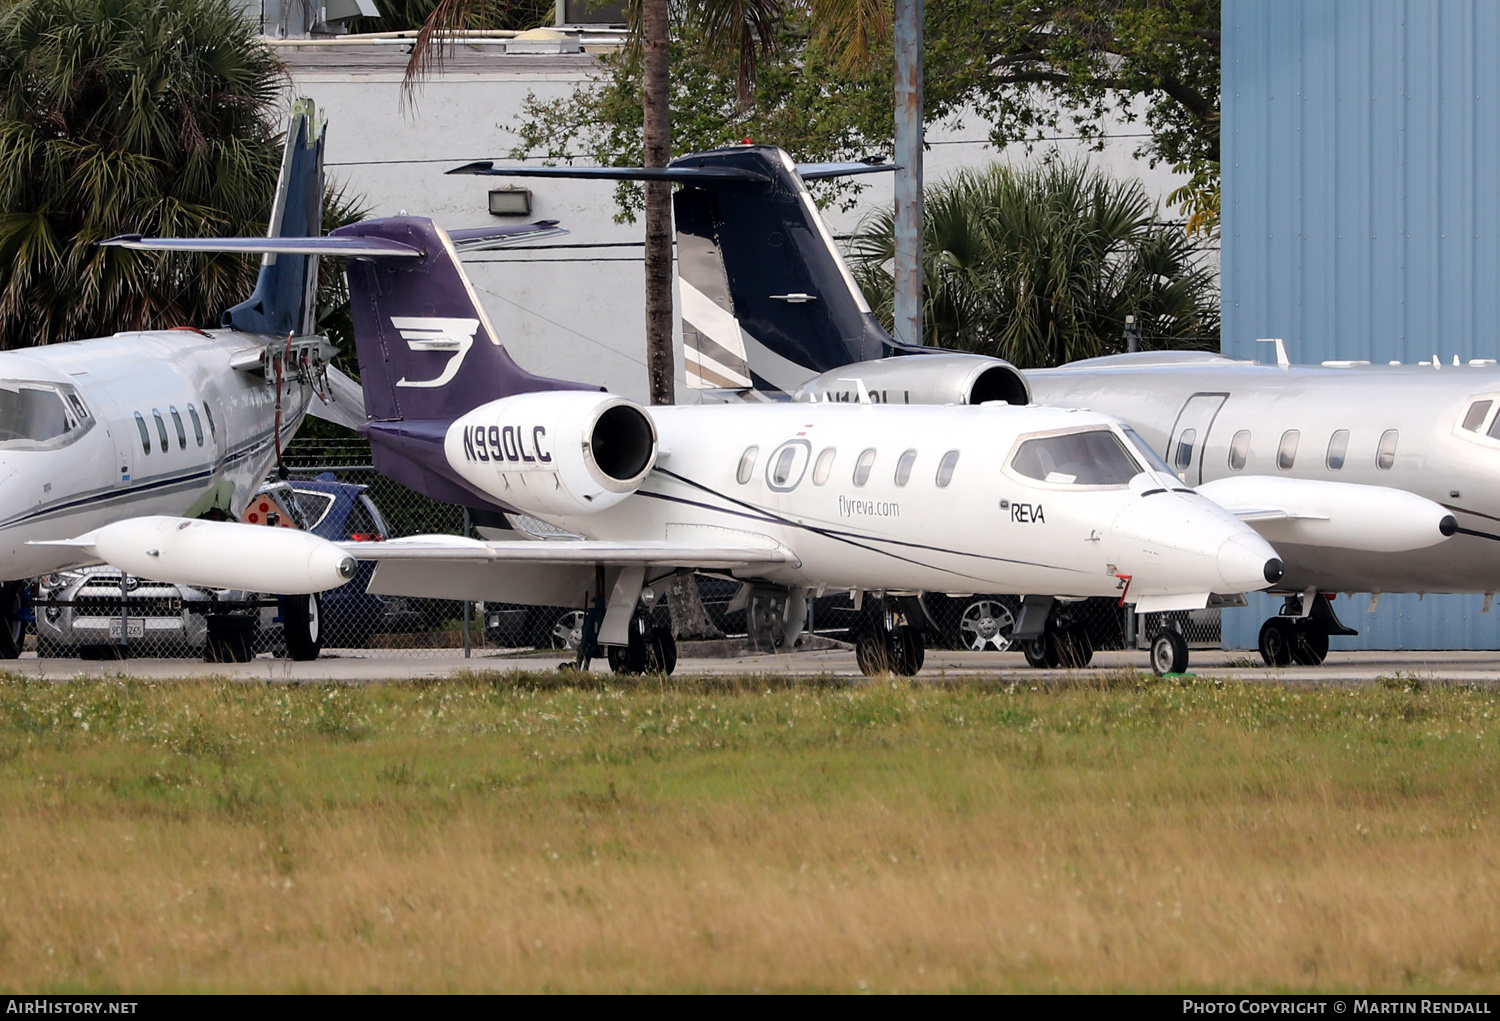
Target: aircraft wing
457	549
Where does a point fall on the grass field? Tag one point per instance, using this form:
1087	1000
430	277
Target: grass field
508	833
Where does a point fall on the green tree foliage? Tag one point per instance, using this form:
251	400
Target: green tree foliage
1033	69
807	99
1041	267
132	116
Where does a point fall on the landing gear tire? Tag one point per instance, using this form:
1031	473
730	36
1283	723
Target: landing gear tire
231	638
900	651
301	626
12	627
1072	648
1277	639
1041	653
649	650
1169	653
1310	647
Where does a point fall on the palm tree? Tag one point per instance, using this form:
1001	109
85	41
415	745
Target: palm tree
1041	266
121	116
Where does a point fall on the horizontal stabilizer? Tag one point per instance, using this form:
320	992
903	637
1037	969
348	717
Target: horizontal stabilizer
682	174
367	247
483	239
487	168
459	549
470	240
823	171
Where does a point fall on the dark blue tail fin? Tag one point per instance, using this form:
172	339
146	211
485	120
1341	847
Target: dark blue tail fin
767	300
285	296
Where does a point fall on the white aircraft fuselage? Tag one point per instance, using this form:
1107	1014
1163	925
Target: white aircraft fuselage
73	456
898	499
1398	426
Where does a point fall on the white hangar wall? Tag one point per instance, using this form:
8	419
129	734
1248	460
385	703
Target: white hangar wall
1361	216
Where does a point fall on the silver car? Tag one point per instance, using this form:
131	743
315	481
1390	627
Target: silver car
99	611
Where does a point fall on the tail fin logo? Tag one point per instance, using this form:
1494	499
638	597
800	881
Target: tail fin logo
423	333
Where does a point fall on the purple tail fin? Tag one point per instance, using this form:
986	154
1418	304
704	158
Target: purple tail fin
427	351
427	354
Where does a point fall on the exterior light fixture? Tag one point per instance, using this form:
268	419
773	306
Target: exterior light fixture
510	202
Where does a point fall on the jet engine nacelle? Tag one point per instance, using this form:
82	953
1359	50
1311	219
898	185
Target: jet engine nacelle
554	452
222	554
947	378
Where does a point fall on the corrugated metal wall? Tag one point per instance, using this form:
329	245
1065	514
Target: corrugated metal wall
1361	170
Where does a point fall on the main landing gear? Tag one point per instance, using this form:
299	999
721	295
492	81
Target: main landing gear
1050	636
1300	633
649	648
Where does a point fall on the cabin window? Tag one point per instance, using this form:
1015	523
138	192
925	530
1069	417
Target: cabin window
1385	454
1478	412
1092	458
863	465
140	423
1185	443
208	413
181	432
945	469
782	470
1338	446
747	464
161	429
903	467
197	424
823	466
1286	453
1239	450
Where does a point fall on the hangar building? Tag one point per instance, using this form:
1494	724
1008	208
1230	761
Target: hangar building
1361	216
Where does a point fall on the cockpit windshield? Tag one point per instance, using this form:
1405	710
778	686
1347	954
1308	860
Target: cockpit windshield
1147	454
35	416
1094	457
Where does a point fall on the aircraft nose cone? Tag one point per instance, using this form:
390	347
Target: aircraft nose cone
1248	563
1448	525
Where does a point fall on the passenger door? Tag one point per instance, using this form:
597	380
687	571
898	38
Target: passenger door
1190	435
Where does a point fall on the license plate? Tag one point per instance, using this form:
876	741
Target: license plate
136	628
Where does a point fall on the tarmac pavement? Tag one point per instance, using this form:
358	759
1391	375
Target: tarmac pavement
367	666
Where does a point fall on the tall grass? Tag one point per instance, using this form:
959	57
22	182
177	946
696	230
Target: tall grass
514	833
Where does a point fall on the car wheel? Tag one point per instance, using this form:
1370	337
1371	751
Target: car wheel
567	630
231	638
986	625
301	625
